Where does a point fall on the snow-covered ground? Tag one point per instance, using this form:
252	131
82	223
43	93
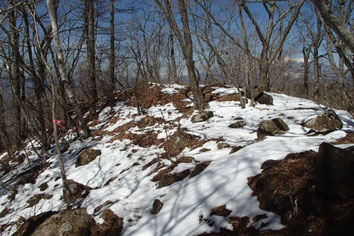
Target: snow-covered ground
114	177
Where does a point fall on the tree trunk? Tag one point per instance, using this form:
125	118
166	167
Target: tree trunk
335	23
199	101
173	58
3	129
15	76
90	40
112	63
62	70
306	54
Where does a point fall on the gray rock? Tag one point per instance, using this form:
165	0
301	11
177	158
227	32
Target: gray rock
156	207
334	173
238	124
264	98
271	127
203	116
327	122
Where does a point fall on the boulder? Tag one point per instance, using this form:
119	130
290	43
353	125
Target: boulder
70	222
264	98
112	225
87	156
237	124
203	116
271	127
335	173
327	122
156	207
312	192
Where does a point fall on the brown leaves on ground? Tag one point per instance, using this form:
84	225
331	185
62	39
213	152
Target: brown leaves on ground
348	139
230	97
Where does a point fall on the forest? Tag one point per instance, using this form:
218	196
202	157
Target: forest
176	117
76	52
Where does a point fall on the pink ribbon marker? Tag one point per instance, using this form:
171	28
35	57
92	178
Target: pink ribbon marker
58	123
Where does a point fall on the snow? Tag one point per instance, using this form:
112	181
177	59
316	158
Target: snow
115	178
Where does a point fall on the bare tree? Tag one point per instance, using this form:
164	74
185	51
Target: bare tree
335	23
185	41
112	57
90	41
61	66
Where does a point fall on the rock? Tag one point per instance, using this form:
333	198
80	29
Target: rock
220	211
203	116
335	173
63	146
43	186
74	191
281	182
235	149
112	225
238	124
103	206
281	124
312	192
156	207
223	145
327	122
271	127
4	212
264	98
153	161
71	222
169	179
199	168
179	141
87	156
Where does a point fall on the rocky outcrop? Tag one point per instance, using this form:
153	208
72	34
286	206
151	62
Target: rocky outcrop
327	122
203	116
271	127
335	173
87	156
312	192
